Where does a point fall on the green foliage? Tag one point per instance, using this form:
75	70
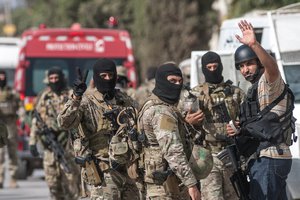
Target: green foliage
54	13
161	30
170	30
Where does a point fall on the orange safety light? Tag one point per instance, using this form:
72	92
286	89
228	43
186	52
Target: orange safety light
42	26
76	26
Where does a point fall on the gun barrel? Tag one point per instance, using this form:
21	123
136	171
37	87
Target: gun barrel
110	112
52	144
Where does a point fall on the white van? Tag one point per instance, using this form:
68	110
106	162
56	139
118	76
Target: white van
9	51
279	32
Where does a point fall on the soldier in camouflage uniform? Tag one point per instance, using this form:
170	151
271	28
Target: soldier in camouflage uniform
9	104
217	99
167	147
145	90
100	140
62	185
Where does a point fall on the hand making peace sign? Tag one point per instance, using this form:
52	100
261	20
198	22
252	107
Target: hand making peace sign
79	85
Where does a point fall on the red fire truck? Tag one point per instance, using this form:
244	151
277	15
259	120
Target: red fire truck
67	48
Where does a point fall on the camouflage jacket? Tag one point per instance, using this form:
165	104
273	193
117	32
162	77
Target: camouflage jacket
167	142
48	105
9	102
220	104
87	114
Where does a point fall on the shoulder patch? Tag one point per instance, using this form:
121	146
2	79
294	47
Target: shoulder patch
167	123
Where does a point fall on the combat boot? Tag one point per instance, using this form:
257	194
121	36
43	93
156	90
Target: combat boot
13	183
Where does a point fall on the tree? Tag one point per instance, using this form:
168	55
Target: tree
161	30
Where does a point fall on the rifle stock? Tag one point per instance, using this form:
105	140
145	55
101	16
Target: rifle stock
239	177
51	143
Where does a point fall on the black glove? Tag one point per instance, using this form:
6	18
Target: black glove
33	150
79	85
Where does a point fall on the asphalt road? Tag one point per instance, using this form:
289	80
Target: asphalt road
34	188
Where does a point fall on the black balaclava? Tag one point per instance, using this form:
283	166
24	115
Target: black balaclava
58	86
3	82
214	77
106	87
165	90
151	71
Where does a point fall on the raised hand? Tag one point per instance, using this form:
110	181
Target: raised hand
248	37
79	85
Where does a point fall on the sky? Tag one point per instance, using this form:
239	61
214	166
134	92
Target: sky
13	3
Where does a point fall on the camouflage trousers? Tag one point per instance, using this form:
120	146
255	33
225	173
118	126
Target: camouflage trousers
217	185
170	190
12	144
116	186
62	185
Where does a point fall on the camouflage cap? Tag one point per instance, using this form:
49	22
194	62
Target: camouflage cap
201	162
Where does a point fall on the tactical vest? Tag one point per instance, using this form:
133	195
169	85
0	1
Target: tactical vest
153	158
220	104
8	104
108	140
266	128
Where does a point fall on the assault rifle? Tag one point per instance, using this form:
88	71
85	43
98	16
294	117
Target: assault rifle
239	177
221	107
48	139
111	115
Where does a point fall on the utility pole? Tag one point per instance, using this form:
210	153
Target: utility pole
7	12
9	28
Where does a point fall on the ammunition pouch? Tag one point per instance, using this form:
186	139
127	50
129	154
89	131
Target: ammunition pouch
90	172
154	163
172	187
119	150
159	177
135	171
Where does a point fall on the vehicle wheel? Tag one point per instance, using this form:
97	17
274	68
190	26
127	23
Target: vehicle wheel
30	170
22	169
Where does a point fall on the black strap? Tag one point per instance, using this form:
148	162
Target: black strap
274	103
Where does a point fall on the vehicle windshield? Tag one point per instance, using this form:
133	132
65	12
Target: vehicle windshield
36	73
292	76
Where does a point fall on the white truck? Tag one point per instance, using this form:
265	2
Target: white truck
279	32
